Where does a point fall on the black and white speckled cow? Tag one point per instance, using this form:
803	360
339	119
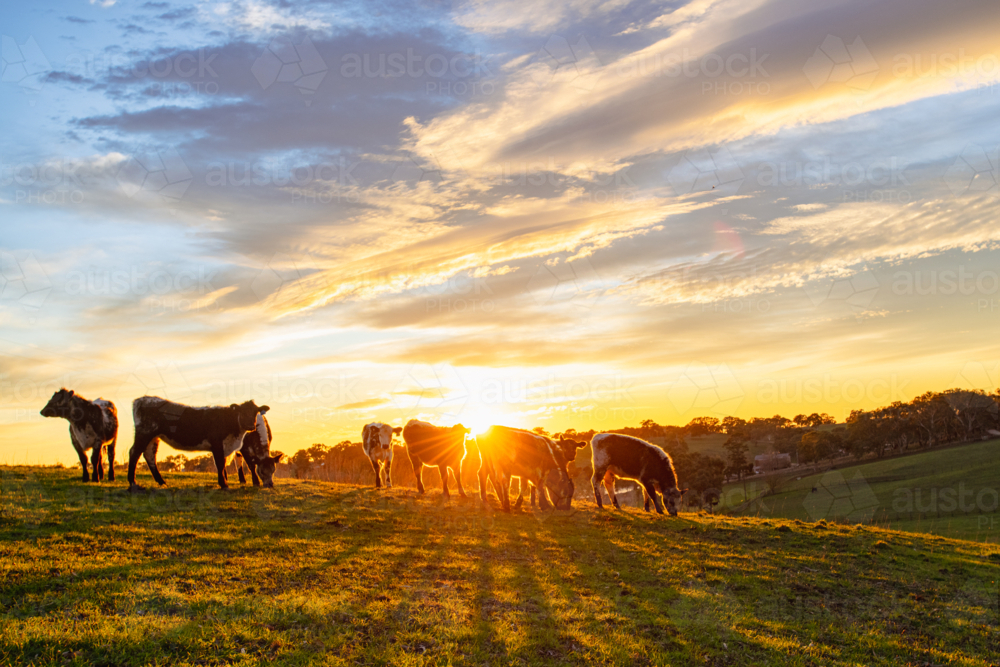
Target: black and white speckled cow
256	452
219	430
376	441
623	456
92	425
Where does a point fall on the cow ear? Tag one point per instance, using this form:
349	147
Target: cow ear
234	406
277	457
684	491
397	430
263	409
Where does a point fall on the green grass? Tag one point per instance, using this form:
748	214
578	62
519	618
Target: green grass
319	573
950	492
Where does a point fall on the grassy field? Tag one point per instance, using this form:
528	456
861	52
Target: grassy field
950	492
319	573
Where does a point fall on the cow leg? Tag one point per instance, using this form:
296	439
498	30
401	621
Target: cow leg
150	456
239	469
651	493
443	469
138	447
111	459
376	467
82	453
458	478
645	497
220	465
595	481
502	487
418	474
609	485
532	490
388	472
253	473
97	462
543	500
520	492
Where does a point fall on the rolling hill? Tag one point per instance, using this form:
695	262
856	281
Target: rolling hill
951	492
320	573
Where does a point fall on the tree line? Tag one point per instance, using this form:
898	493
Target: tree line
929	420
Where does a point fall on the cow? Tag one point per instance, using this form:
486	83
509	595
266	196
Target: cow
623	456
92	425
376	440
219	430
256	452
536	459
436	446
566	448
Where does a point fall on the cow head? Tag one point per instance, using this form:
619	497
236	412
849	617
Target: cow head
560	488
246	414
672	498
385	433
569	447
60	405
266	468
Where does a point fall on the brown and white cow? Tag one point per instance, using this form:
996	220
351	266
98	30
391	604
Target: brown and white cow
566	449
436	446
219	430
256	452
623	456
376	441
92	425
536	459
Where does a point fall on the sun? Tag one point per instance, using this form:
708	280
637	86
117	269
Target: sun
479	421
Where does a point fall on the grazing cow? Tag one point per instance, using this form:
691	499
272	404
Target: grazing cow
376	440
92	425
256	452
535	459
566	449
219	430
631	458
436	446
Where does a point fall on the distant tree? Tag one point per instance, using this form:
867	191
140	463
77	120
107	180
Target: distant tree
737	464
540	430
171	463
700	426
300	463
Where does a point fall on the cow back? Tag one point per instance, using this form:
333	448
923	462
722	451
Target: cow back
431	443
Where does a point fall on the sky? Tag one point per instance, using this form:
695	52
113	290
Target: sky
576	214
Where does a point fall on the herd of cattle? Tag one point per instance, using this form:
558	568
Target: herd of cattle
241	431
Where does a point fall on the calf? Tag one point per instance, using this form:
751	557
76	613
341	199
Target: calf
566	450
623	456
436	446
219	430
536	459
256	452
92	425
376	440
